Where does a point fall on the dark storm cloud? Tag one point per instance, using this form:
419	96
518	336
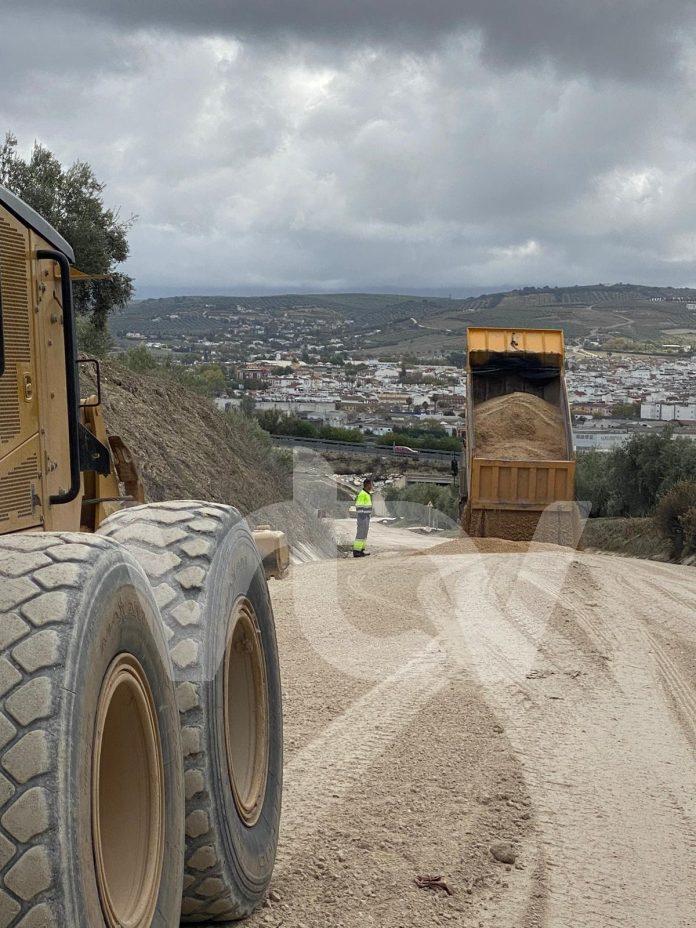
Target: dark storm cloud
391	145
626	39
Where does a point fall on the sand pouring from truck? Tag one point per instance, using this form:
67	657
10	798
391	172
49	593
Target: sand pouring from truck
520	462
140	703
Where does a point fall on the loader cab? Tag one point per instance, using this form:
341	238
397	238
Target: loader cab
43	448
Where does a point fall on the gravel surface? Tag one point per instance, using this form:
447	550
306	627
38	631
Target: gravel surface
521	724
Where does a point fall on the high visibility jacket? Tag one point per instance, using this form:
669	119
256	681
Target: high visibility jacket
363	502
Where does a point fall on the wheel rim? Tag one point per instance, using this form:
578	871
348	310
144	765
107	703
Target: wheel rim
127	797
246	712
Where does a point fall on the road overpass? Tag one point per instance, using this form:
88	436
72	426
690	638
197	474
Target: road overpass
369	449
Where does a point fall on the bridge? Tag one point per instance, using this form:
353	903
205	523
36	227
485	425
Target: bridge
442	480
369	449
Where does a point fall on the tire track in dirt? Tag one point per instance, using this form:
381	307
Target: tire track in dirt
322	775
599	794
578	661
379	746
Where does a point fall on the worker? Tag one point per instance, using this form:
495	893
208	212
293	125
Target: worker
363	509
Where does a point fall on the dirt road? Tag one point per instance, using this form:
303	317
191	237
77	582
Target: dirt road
439	706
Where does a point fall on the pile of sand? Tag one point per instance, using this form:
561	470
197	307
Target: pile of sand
519	427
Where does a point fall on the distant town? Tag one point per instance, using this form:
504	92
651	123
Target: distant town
319	366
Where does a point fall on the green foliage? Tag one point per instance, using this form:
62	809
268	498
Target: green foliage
271	421
675	518
71	199
414	437
247	405
631	480
630	537
646	468
279	424
140	360
593	480
333	433
688	524
257	443
626	411
351	371
91	339
207	379
444	499
254	385
303	429
457	359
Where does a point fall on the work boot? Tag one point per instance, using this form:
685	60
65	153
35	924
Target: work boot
359	553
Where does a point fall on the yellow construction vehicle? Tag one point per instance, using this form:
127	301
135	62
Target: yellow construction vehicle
140	702
518	492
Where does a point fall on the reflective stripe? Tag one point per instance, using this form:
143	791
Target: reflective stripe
359	544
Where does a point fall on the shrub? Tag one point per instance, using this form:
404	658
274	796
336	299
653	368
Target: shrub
445	499
92	340
436	439
593	480
688	522
139	360
645	469
675	517
334	433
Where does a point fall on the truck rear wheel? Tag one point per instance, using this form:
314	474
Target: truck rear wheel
91	785
209	580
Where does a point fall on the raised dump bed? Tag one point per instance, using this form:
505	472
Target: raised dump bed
520	458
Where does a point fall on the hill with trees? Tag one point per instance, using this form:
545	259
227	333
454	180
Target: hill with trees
388	324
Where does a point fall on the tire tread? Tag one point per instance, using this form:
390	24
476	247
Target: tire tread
38	574
184	537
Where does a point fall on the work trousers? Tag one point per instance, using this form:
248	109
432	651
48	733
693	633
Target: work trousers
362	530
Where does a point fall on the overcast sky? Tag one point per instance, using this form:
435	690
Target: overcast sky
402	144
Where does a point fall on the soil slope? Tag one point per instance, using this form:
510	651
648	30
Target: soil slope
187	449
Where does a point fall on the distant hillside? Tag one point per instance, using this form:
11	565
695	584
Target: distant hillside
200	315
427	325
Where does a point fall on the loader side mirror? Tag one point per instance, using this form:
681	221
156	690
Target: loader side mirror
93	377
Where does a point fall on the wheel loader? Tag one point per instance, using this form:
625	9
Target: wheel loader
140	701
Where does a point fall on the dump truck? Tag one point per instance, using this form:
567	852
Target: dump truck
140	700
520	462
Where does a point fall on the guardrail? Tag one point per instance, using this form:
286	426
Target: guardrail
367	448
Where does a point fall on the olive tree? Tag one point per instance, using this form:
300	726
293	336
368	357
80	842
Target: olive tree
72	200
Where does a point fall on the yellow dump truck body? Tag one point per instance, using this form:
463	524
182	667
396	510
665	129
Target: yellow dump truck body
545	344
505	497
521	484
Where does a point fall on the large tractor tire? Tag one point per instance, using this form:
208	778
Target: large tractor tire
91	783
209	582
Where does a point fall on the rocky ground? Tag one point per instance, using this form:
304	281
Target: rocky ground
520	723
